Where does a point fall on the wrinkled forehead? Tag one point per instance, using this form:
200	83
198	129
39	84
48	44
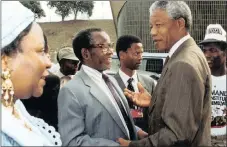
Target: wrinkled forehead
100	37
159	15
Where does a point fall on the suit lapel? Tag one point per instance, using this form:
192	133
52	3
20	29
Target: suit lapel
124	100
121	95
120	82
154	95
141	80
181	48
102	97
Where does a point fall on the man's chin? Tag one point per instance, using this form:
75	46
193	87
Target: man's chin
162	49
136	68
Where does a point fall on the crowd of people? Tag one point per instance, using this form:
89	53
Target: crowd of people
78	104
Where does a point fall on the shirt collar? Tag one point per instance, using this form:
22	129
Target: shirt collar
61	75
177	44
125	77
92	73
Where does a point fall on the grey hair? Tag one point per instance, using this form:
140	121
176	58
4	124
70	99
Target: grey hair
175	10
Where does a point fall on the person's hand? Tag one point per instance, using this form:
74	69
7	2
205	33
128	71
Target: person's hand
142	99
141	134
123	142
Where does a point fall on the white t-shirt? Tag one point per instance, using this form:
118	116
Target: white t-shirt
218	104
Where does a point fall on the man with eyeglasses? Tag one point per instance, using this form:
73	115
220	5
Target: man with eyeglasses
93	110
129	50
214	47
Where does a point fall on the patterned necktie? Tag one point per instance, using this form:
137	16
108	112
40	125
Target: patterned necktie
131	88
117	99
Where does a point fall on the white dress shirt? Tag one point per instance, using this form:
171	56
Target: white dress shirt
96	76
63	79
125	79
177	44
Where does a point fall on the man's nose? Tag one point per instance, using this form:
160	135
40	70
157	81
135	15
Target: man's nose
207	54
153	32
140	57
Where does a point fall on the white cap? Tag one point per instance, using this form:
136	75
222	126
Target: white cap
214	33
15	18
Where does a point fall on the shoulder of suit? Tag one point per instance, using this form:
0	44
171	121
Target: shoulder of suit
146	78
113	78
190	54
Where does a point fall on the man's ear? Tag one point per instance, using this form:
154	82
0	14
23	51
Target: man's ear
121	55
181	23
85	53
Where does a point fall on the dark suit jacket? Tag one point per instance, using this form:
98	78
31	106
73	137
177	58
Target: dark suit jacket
149	84
179	113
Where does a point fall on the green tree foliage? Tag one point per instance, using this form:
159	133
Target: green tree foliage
35	7
64	8
81	6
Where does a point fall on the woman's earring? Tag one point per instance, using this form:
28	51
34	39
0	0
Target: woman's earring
7	88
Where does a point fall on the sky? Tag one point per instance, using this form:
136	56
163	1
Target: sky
101	10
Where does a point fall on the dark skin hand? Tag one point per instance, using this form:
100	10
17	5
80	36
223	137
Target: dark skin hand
123	142
142	98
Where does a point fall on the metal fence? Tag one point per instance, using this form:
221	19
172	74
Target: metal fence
134	19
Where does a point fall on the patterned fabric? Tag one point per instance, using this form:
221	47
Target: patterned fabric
7	141
39	134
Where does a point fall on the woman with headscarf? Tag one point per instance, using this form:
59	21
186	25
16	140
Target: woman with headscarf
24	68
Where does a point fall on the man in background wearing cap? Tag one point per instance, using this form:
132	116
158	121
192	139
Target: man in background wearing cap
68	64
214	47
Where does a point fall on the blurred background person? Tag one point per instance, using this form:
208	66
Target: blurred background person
214	47
24	69
129	50
68	64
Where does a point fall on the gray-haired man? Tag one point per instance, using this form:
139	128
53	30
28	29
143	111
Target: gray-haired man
179	111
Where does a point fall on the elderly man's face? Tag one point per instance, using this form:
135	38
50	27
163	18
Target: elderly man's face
164	30
101	56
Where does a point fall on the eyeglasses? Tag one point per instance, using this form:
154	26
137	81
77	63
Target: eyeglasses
105	47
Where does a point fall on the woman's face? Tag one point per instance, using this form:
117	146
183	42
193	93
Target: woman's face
30	66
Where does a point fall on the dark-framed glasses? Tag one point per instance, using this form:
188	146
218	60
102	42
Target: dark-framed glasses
104	46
